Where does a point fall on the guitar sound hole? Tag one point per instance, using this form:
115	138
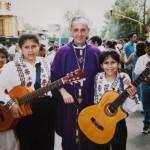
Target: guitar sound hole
1	115
110	110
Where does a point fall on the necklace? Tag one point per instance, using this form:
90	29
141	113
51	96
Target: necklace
80	59
82	54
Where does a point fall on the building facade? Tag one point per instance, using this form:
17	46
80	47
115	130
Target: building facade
8	21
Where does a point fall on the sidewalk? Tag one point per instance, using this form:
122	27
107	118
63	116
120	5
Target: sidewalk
137	140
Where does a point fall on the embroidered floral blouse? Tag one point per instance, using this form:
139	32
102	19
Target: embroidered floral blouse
9	76
118	85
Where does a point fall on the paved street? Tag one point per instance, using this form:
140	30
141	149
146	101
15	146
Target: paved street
136	140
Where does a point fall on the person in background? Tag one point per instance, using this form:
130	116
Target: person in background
36	131
129	48
12	51
112	80
141	64
18	52
51	55
3	56
42	51
97	42
8	140
119	46
55	45
109	45
140	50
73	98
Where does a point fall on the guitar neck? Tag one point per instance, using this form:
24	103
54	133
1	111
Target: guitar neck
122	97
39	92
141	77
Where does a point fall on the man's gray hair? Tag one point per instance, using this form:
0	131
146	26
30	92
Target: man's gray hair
79	18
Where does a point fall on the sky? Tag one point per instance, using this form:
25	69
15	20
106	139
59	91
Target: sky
44	12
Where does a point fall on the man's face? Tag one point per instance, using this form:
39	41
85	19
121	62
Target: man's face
79	31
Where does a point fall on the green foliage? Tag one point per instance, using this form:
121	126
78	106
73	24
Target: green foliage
119	26
148	20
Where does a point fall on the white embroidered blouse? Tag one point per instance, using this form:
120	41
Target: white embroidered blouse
9	76
101	86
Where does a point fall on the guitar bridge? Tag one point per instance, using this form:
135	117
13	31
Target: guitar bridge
97	124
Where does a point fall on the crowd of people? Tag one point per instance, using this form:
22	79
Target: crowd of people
108	66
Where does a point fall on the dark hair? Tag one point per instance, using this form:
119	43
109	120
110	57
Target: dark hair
25	37
96	39
114	43
147	43
110	44
140	48
4	51
105	54
42	47
131	35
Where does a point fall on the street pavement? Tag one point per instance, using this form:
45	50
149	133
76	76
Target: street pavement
136	140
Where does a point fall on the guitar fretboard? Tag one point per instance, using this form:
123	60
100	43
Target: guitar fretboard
122	97
39	92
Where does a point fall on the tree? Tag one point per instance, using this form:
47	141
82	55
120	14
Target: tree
120	27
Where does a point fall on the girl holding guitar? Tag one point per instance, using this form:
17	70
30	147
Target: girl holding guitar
35	131
112	80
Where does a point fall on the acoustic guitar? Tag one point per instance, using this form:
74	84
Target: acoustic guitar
98	122
24	96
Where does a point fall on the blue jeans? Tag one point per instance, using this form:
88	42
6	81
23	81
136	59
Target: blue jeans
146	102
139	88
